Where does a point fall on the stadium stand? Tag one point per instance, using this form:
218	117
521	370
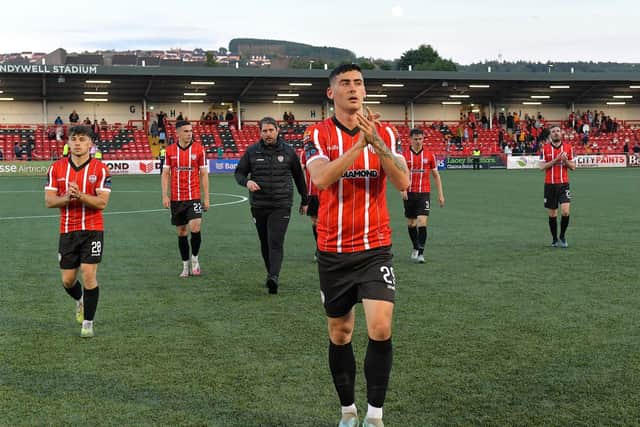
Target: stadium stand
120	141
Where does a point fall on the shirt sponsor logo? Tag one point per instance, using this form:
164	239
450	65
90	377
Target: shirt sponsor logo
193	157
360	173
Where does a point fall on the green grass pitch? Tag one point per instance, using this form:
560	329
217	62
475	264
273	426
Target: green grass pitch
497	328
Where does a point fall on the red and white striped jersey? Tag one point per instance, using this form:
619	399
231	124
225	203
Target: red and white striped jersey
558	173
312	190
91	177
353	213
184	165
420	166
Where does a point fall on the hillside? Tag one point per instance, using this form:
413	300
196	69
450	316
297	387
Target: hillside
280	48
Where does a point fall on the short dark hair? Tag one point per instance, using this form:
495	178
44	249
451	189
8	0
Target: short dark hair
81	130
416	131
268	121
343	69
181	123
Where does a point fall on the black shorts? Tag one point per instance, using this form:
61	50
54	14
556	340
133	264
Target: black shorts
417	204
185	211
348	278
314	205
556	194
80	247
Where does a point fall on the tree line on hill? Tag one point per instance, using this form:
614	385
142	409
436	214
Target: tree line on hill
422	58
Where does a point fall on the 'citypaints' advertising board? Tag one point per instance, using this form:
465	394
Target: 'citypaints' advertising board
601	161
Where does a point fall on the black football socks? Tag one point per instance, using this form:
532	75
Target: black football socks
564	223
196	239
422	239
342	363
75	291
377	368
553	227
183	244
90	303
413	234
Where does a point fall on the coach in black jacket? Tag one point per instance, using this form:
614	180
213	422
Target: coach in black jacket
266	169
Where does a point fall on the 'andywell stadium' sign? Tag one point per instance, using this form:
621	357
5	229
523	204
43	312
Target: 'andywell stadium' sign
48	69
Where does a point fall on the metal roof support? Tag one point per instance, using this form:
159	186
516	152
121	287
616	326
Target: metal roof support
44	113
246	88
145	122
44	101
412	114
490	115
418	96
239	114
148	88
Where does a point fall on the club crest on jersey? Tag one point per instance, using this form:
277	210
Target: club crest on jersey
280	158
93	179
193	157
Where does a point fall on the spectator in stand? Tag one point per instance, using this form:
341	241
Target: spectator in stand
1	155
59	133
96	129
484	121
285	117
153	129
29	147
509	122
87	122
625	147
229	116
507	149
472	120
17	150
221	116
103	124
74	117
586	128
636	148
595	148
180	117
291	120
501	138
203	118
162	117
58	121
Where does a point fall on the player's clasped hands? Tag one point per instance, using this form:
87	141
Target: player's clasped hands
73	190
367	125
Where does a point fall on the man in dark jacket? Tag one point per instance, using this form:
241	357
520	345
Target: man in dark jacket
266	169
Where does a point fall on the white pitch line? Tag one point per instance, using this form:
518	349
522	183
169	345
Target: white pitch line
242	200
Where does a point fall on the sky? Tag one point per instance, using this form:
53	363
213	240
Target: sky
466	32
